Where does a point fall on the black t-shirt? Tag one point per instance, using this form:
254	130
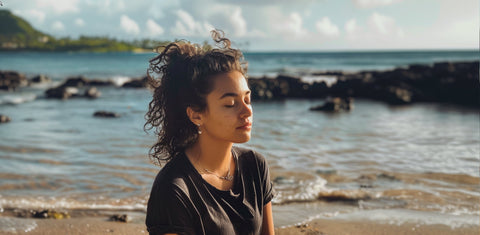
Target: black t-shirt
182	202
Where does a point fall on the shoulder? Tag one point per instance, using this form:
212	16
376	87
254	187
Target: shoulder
249	156
171	178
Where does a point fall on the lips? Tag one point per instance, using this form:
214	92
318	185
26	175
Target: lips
247	125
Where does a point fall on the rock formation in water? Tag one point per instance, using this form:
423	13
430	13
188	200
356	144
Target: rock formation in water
456	83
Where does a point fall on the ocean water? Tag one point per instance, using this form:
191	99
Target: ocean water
389	161
59	65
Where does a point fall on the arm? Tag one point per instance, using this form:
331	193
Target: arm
267	224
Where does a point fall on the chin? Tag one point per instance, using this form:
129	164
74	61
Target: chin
242	139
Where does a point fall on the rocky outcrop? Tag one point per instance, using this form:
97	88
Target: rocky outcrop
92	93
335	104
4	118
40	79
81	81
98	82
49	214
71	88
278	88
11	80
137	83
120	218
106	114
75	82
442	82
61	92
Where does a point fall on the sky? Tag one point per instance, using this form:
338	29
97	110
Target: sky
266	25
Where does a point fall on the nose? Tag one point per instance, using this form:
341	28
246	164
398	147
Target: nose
247	110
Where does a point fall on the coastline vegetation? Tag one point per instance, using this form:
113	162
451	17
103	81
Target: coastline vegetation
18	35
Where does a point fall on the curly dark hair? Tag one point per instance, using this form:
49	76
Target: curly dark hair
181	76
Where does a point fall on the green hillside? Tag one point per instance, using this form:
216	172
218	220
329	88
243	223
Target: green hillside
17	34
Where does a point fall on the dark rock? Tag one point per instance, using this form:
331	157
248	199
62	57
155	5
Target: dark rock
418	68
92	92
61	92
21	213
335	105
443	82
261	88
75	82
40	79
328	73
326	171
397	95
49	214
4	118
292	86
318	90
137	83
40	214
99	82
120	218
277	88
67	89
10	80
106	114
387	177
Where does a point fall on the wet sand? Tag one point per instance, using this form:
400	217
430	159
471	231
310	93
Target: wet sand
328	226
102	225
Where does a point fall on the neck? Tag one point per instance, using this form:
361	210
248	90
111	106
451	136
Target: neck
211	154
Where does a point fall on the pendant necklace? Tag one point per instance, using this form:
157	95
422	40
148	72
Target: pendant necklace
228	177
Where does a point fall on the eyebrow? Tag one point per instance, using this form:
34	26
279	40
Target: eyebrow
232	94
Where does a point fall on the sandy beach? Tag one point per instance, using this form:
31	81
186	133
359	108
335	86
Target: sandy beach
102	225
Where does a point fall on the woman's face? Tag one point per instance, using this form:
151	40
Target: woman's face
229	115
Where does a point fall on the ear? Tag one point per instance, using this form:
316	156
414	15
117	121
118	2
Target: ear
194	116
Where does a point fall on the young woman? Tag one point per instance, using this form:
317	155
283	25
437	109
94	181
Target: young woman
200	107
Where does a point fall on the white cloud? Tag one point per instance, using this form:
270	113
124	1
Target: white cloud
457	34
379	31
255	33
327	28
378	27
384	25
374	3
187	26
128	25
58	26
238	22
351	26
153	29
229	18
108	7
291	27
32	15
79	22
59	7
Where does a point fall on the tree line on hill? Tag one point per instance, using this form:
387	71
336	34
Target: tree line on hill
17	34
